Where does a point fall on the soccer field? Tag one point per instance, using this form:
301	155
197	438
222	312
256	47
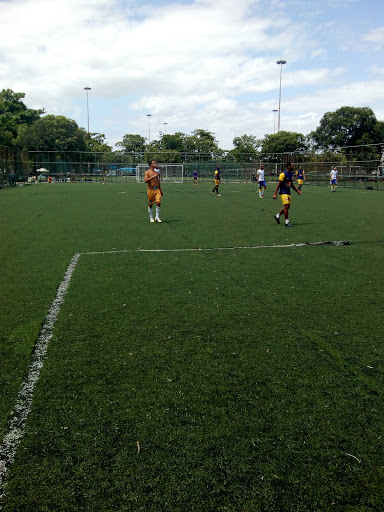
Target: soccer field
212	362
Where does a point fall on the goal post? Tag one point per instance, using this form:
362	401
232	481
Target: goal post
168	172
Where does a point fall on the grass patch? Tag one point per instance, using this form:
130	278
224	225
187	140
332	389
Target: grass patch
251	378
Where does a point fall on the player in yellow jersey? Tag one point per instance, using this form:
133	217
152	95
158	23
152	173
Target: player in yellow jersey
300	174
284	188
154	193
216	179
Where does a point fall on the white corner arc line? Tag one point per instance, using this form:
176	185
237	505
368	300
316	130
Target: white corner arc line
23	405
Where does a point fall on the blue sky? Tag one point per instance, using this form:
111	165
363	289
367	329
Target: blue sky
207	64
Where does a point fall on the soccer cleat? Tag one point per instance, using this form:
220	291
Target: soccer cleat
276	219
151	219
218	195
289	225
158	219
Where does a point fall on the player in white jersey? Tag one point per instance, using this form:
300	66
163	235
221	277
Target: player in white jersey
261	181
333	175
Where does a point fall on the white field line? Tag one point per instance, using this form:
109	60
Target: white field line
23	405
304	244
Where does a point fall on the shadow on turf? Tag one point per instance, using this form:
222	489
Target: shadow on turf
295	223
171	221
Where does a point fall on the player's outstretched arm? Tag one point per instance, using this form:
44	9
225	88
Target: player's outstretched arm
277	188
296	190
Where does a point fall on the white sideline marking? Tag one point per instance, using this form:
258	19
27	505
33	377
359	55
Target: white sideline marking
23	405
333	242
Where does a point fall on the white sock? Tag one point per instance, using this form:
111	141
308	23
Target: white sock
150	212
277	215
287	221
157	212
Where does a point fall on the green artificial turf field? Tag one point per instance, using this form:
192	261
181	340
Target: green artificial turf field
218	373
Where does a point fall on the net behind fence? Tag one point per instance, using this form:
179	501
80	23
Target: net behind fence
168	172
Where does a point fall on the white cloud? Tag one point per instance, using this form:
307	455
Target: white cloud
376	35
310	115
319	52
358	94
207	63
376	70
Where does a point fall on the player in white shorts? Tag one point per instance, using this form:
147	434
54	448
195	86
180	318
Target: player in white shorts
334	179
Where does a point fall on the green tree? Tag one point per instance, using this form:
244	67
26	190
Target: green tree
174	142
13	115
246	149
162	156
96	142
347	126
284	142
167	149
200	145
203	143
132	144
53	133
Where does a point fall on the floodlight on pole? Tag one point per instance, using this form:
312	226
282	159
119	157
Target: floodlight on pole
165	128
87	89
280	63
274	119
149	127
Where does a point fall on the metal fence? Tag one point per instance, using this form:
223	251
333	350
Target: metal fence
360	167
13	161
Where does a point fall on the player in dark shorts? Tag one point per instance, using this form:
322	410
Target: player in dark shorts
216	179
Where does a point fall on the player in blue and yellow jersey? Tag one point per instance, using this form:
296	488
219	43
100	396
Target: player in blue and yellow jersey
300	174
216	179
284	187
195	177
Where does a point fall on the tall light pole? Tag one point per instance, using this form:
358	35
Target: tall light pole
274	119
149	127
87	89
280	62
165	128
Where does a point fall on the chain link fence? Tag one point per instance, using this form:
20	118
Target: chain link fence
358	167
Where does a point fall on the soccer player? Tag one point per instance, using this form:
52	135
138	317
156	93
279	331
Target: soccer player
195	175
217	179
284	187
334	179
261	181
154	193
300	176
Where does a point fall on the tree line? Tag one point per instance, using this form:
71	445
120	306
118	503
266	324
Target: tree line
35	130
